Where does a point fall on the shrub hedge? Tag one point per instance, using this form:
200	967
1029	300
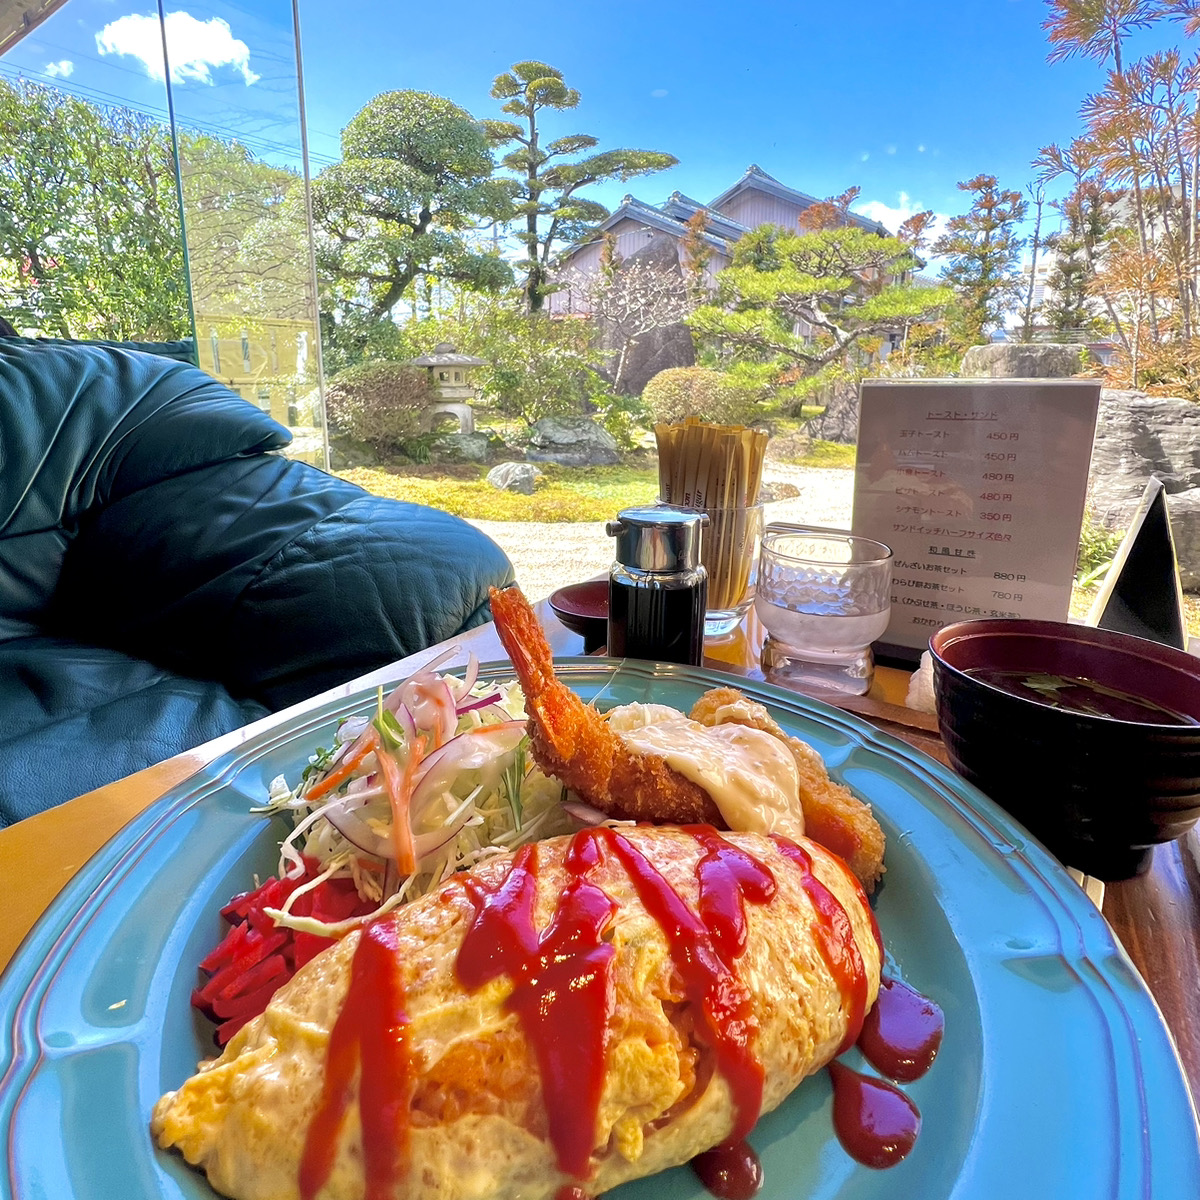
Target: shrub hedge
680	392
379	402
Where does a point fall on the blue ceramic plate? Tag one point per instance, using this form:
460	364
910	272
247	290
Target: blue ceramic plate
1057	1078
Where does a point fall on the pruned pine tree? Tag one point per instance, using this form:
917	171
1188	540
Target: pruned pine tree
797	309
548	177
413	182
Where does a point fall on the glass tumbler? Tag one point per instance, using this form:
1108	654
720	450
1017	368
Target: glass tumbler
823	597
729	552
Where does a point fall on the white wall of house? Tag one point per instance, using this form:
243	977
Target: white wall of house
753	208
631	236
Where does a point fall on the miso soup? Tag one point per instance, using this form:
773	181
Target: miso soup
1080	695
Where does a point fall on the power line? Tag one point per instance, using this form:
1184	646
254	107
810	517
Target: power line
109	100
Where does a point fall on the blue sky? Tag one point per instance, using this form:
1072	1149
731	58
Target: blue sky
900	99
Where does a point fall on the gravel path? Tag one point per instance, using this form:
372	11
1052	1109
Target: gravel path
547	556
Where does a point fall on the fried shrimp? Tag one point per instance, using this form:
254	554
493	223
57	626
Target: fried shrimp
572	742
608	770
833	815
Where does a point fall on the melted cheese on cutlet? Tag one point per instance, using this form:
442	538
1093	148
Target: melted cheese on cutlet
750	774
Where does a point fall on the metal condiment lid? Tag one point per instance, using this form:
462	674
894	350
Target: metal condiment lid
658	539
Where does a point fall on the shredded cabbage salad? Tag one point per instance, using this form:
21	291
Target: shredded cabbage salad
435	780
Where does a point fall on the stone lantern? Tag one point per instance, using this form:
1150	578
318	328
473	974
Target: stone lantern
449	372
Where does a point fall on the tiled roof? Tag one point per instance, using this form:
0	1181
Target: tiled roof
666	222
721	231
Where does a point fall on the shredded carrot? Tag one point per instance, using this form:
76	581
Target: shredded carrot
344	770
399	789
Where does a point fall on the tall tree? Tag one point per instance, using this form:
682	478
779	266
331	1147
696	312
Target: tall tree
828	213
1037	193
1070	299
414	179
983	248
695	251
1097	29
90	236
547	179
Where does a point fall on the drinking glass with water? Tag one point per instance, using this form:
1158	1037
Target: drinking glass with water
823	596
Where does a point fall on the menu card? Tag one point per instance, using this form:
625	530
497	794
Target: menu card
979	487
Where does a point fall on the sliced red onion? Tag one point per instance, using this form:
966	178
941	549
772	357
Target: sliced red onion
427	670
358	833
431	704
406	721
585	814
474	704
471	673
468	751
365	787
351	727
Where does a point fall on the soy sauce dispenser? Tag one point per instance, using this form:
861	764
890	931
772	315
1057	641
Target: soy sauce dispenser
657	587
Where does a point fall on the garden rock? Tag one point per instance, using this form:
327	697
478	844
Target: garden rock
460	447
777	490
346	453
1183	508
1138	436
572	442
839	421
514	477
1022	360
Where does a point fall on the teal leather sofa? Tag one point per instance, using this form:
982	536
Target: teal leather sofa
165	577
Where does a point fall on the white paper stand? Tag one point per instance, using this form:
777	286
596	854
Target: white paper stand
979	487
1142	594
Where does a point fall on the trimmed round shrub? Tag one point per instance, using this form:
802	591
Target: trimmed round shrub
379	403
681	392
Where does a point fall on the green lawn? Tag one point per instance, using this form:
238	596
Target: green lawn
563	493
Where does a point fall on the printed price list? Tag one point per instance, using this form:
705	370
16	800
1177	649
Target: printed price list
979	487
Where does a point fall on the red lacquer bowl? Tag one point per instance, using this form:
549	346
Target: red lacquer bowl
583	609
1099	791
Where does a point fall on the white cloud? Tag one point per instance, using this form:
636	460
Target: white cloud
659	93
892	216
61	69
194	48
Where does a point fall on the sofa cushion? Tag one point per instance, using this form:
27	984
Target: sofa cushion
273	577
181	350
77	717
81	429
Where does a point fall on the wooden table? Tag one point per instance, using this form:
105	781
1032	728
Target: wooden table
1156	917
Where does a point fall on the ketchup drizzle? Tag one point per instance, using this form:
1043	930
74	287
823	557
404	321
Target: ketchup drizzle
561	991
835	937
371	1031
902	1033
731	1171
710	984
728	877
874	1120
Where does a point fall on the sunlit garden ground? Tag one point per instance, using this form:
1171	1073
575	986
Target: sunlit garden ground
592	494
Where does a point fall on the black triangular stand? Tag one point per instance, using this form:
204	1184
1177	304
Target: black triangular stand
1142	594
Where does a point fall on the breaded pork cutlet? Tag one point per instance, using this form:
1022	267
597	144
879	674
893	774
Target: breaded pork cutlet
833	814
